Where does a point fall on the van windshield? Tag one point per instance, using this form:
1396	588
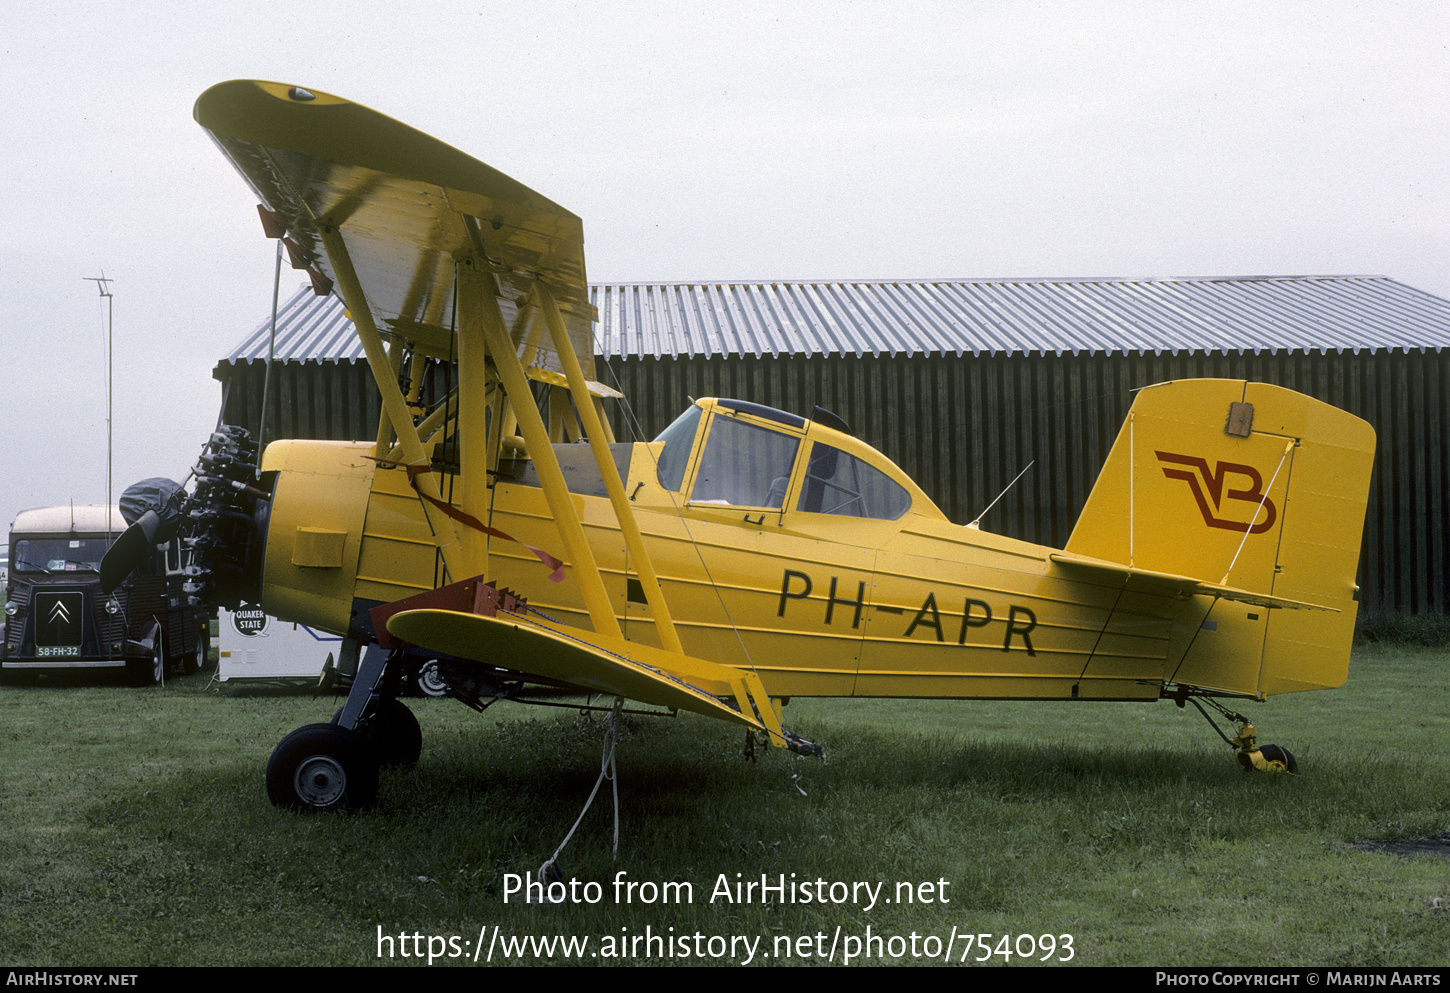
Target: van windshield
52	555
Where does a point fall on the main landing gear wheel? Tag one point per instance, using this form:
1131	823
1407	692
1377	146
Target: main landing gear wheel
320	768
393	733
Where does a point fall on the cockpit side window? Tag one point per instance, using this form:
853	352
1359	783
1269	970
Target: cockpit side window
679	439
838	483
744	465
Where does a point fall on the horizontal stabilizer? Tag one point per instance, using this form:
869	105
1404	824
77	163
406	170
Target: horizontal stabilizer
1116	574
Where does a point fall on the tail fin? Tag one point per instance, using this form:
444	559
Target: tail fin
1245	485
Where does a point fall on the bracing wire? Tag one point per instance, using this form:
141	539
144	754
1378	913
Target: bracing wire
607	771
638	432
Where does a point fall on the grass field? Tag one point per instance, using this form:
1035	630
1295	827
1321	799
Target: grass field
136	831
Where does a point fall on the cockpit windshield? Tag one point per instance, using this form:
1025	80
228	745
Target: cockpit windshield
744	463
679	438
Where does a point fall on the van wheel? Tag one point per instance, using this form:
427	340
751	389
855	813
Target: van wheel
196	661
152	671
321	768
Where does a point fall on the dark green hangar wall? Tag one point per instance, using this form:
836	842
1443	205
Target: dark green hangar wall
964	382
315	400
963	427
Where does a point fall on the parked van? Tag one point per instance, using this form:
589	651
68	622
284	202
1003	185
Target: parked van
56	616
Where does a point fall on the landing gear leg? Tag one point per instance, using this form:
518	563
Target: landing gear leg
1249	754
327	767
365	686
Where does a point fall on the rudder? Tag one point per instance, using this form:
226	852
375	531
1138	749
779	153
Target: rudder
1246	485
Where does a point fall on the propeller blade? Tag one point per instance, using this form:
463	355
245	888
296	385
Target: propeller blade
129	551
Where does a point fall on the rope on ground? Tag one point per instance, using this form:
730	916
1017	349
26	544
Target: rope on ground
550	869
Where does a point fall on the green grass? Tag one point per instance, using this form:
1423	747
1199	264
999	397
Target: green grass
136	828
1392	628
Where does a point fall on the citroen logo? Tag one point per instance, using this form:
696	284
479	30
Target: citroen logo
59	620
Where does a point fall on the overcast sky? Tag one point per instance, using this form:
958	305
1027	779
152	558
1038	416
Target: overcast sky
698	141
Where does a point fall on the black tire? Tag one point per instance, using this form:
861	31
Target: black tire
1276	753
195	661
322	768
393	733
430	681
152	671
203	653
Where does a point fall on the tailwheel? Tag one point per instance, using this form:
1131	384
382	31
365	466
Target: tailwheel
322	768
1268	758
1278	759
1252	756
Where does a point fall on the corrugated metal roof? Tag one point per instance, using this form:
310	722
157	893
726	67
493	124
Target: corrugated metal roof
309	328
866	317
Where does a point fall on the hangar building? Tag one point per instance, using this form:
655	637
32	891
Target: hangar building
965	382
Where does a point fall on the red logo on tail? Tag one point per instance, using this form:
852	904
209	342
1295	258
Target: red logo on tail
1208	485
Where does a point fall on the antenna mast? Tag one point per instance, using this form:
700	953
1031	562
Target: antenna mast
104	285
978	522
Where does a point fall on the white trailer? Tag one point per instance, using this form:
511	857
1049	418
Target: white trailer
255	645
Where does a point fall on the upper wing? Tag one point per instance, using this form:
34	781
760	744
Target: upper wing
407	204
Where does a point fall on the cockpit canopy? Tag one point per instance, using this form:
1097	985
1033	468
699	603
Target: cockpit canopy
749	456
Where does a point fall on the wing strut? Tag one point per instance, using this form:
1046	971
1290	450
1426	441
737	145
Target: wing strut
479	315
594	431
395	407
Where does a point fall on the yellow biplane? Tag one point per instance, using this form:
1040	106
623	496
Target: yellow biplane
745	556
